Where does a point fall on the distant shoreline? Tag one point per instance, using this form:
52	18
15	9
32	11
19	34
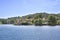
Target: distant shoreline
31	25
34	19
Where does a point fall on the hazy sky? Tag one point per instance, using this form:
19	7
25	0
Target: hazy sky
10	8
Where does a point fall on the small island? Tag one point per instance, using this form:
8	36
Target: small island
34	19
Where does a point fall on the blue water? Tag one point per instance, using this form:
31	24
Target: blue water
11	32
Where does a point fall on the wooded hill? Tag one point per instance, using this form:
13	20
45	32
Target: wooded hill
32	19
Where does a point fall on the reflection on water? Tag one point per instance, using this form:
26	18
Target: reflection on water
11	32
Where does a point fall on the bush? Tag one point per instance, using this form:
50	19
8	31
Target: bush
58	22
38	22
0	22
52	20
24	23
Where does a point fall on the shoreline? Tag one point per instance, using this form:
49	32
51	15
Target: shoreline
30	24
33	25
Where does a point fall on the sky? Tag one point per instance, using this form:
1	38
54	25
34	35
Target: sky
13	8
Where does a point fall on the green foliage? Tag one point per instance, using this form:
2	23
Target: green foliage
38	16
24	23
38	22
0	22
52	20
28	17
4	21
58	21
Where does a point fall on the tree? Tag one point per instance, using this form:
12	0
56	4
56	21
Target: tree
52	20
11	21
38	16
38	22
0	22
58	22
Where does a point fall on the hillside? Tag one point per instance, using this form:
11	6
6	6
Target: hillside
30	19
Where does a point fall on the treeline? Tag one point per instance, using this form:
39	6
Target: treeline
34	19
